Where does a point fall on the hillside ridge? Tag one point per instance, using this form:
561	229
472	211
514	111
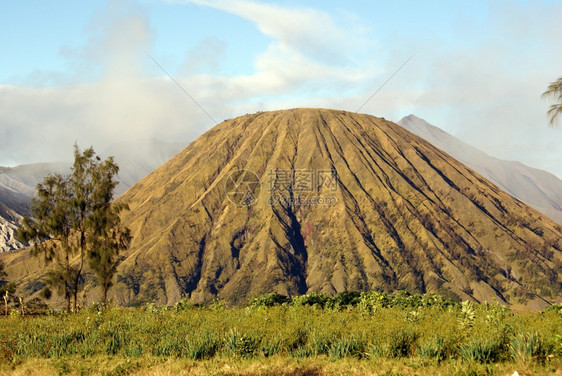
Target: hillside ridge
537	188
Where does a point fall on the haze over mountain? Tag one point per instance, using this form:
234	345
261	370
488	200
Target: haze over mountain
537	188
18	184
138	159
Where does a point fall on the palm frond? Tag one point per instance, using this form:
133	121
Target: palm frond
554	92
553	112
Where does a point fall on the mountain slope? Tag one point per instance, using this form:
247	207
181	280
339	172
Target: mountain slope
345	201
537	188
8	227
138	159
17	186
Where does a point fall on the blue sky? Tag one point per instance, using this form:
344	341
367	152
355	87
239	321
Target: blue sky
80	71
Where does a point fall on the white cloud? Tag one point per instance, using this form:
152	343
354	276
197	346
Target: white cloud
204	57
309	54
306	31
487	93
41	124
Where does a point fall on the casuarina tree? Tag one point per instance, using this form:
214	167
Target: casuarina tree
72	215
106	236
6	288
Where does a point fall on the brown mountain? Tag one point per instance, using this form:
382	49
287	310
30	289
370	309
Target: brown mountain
329	201
307	200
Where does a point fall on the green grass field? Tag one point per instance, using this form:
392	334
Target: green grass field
371	333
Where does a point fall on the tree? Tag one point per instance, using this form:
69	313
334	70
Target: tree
71	215
7	289
5	286
107	237
554	91
50	231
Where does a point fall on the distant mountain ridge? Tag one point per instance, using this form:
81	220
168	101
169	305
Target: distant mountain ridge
18	184
537	188
8	227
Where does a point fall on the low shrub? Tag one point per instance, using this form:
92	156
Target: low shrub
529	347
269	300
402	343
312	299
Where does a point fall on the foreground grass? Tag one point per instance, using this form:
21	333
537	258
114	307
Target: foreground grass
289	339
274	366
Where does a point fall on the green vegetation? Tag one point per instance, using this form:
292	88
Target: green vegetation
73	215
351	333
